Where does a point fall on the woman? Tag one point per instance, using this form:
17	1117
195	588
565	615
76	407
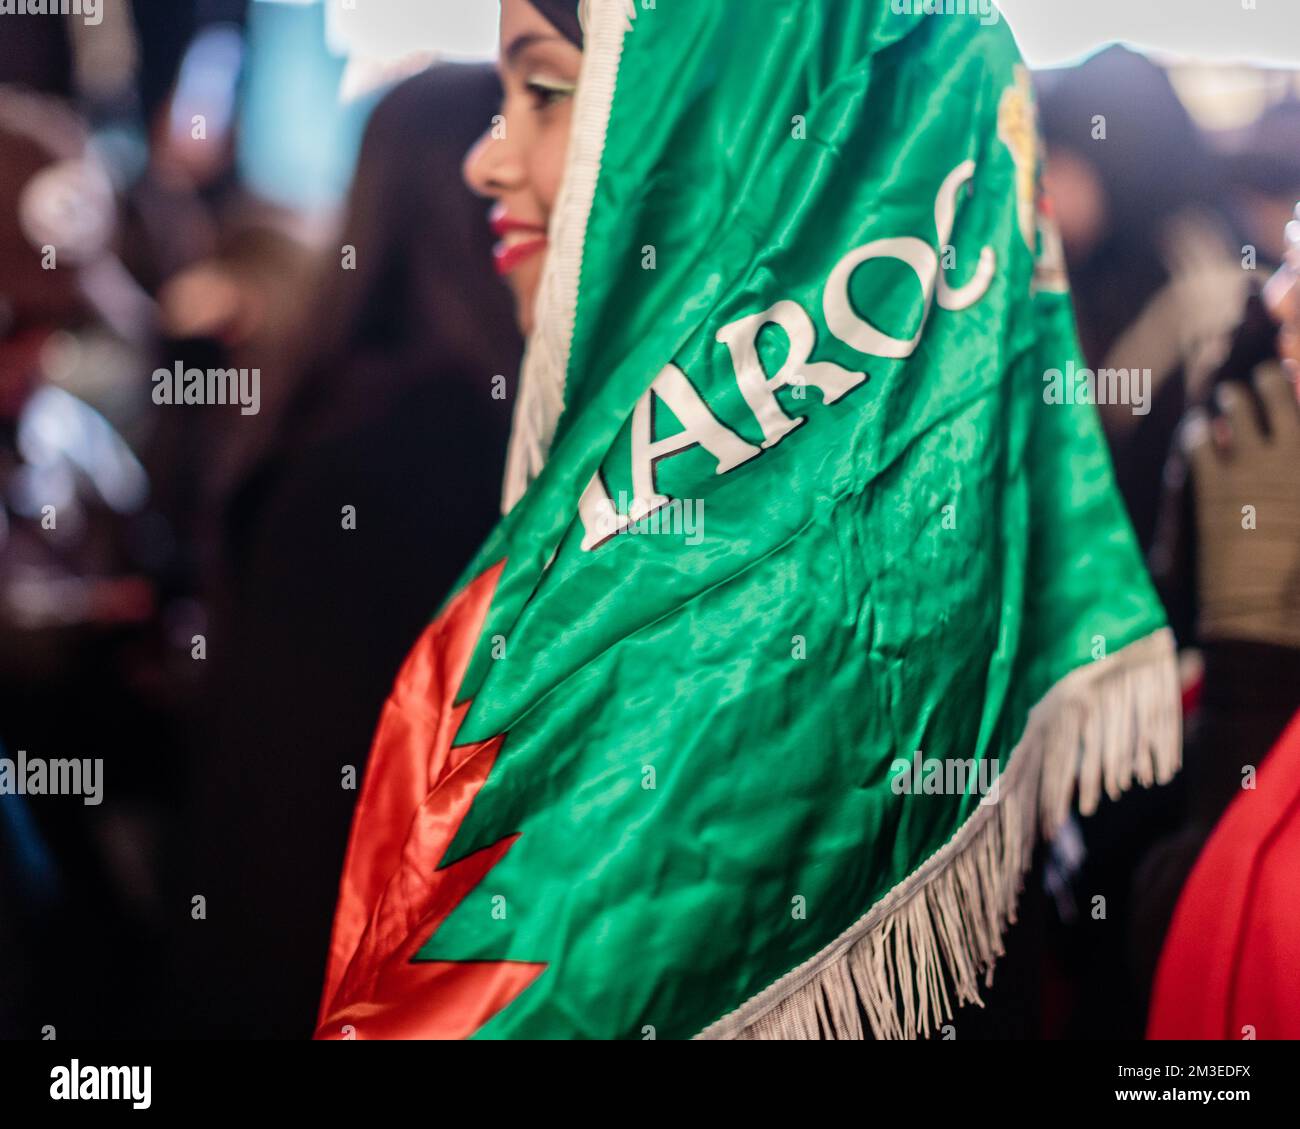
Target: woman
728	730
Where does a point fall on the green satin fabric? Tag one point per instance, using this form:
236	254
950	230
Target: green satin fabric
911	569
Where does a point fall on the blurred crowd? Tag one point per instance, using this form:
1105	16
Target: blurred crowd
215	602
193	607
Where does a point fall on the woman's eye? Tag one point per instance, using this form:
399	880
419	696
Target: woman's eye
544	94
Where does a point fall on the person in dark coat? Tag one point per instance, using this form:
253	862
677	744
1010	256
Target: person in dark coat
1155	270
383	479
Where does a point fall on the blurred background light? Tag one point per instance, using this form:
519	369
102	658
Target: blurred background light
296	142
1056	32
315	69
453	29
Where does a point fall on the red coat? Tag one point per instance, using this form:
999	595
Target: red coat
1230	968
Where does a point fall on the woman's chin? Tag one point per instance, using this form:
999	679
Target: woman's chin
525	282
524	317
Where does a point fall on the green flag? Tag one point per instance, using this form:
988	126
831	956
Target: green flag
812	606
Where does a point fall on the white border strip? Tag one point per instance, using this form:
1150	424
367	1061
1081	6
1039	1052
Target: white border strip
540	398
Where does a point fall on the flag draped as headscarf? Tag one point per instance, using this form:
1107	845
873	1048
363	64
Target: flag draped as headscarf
812	606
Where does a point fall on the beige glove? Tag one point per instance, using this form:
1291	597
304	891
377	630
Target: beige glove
1247	486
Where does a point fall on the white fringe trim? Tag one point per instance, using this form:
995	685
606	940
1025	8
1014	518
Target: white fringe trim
922	949
546	359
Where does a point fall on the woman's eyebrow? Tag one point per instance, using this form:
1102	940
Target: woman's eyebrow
521	43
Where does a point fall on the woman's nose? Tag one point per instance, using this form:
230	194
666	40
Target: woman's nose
492	166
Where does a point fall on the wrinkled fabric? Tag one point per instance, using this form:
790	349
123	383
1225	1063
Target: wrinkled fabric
693	735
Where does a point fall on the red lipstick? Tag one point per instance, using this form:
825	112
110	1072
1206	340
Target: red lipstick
518	240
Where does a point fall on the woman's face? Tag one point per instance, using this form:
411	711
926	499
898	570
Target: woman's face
519	162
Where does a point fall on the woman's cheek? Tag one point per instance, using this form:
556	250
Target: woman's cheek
551	158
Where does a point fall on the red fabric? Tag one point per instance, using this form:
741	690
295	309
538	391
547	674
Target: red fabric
418	789
1230	968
